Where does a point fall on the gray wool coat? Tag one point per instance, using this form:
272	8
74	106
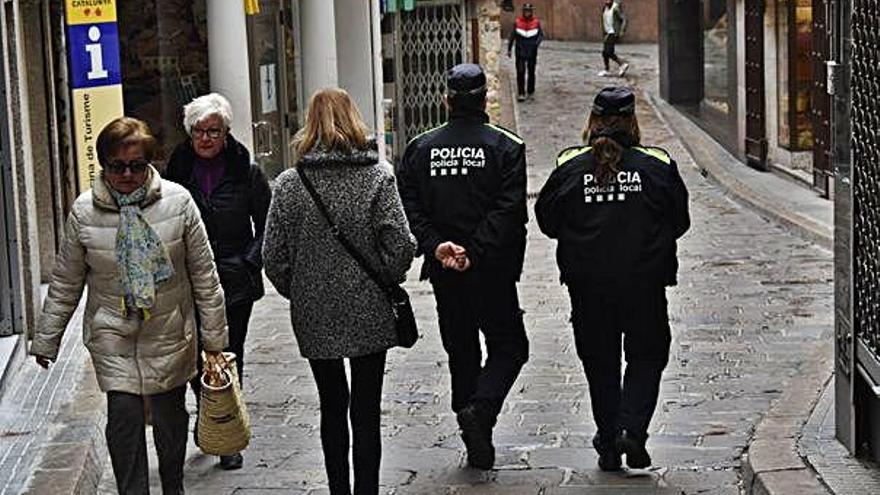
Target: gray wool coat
336	310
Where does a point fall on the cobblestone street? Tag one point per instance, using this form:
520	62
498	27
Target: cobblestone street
754	305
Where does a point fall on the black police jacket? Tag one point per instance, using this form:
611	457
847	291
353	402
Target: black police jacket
465	182
234	216
617	234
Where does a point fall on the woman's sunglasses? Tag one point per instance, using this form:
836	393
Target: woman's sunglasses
118	167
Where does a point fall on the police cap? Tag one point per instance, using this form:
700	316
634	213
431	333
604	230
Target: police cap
614	101
465	79
528	6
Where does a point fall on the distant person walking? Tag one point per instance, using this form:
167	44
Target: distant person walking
526	37
617	209
613	28
138	242
338	312
233	195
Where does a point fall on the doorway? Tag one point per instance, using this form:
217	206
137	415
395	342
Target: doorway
274	53
7	205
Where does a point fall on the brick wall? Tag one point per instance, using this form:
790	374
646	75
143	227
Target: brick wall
581	19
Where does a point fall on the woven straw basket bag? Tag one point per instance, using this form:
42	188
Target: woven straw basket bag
224	425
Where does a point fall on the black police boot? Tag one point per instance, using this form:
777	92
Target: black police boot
609	456
476	432
231	462
637	456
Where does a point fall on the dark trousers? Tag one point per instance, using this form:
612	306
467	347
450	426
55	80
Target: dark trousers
467	304
608	50
237	319
523	64
363	404
126	440
600	319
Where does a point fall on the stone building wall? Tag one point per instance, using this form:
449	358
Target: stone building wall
489	38
581	19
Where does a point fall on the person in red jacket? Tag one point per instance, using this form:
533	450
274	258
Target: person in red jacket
527	36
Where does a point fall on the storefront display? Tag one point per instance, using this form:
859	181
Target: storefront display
164	47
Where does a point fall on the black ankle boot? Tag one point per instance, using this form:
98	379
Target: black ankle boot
637	456
609	457
476	432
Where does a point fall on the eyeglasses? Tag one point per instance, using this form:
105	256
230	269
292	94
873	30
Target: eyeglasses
213	133
119	167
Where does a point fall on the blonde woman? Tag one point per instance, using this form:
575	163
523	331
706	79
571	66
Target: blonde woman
138	243
337	311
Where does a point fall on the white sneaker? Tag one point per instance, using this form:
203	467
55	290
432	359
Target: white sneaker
604	73
623	69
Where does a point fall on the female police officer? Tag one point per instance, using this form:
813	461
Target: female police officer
617	209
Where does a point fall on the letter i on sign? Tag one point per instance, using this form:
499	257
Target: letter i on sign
96	54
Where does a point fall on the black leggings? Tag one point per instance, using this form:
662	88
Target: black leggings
363	403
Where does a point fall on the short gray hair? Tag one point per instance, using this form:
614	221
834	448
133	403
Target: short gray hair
205	106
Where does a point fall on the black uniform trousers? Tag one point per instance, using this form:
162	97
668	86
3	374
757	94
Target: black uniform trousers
467	304
362	403
524	64
600	319
126	440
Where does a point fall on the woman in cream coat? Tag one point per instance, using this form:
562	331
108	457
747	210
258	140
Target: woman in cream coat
138	242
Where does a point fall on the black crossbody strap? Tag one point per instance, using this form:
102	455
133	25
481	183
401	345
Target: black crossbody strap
334	229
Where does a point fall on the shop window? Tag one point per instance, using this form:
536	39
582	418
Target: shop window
164	56
716	39
795	74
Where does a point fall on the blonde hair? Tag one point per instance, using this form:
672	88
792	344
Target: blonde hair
122	133
607	151
205	106
332	121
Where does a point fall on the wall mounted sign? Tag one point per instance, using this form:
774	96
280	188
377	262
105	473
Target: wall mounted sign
95	78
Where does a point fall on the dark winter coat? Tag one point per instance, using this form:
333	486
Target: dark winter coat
527	36
336	310
465	182
624	231
234	215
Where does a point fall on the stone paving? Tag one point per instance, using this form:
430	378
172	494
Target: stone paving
839	470
754	300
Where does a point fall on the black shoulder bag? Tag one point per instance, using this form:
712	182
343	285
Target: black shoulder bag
404	319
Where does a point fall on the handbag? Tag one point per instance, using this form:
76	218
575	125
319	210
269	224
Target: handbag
224	427
404	318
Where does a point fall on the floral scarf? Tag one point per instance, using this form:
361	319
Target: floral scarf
142	257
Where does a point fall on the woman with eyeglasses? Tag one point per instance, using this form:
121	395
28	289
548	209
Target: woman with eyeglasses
233	196
139	244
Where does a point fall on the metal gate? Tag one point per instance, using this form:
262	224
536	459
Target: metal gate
858	267
820	99
756	129
431	39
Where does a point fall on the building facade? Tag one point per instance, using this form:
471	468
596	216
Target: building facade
421	41
752	75
581	20
266	56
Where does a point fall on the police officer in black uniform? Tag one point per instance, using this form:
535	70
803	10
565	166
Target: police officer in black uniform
617	209
463	187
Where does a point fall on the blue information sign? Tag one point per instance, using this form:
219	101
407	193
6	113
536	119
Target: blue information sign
94	55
